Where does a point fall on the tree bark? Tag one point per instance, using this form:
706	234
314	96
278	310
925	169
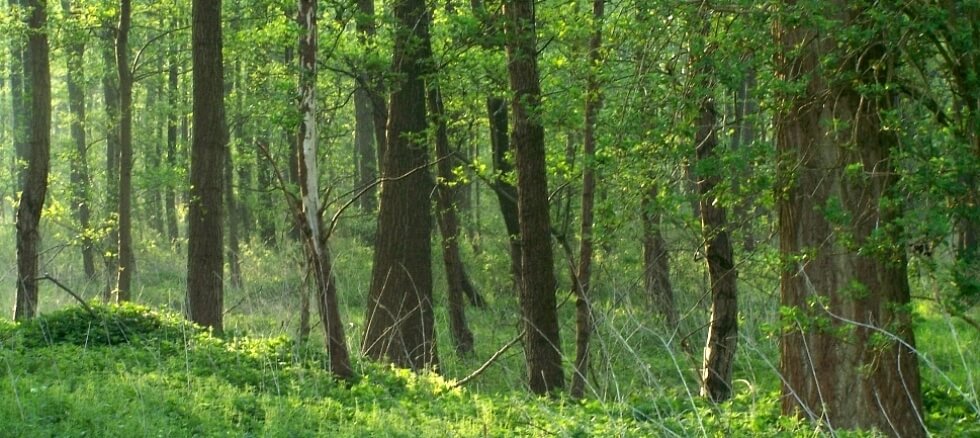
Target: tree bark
20	114
110	92
365	132
449	228
80	179
506	191
231	205
170	194
399	320
127	260
35	187
656	261
542	344
847	350
719	351
205	261
583	308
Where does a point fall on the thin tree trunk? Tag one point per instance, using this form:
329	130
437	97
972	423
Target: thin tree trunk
656	261
583	308
746	109
542	344
719	351
846	282
80	180
400	320
20	114
153	199
267	227
449	228
127	261
233	249
170	194
205	259
374	88
110	91
505	191
35	187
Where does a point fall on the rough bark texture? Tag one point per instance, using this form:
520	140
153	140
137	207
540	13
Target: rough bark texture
656	261
846	353
506	191
399	320
542	345
719	350
205	259
449	228
583	309
80	179
36	177
124	249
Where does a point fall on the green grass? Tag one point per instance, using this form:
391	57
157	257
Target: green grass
143	371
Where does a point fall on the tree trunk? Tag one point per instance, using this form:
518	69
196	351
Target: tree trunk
746	111
505	191
35	187
317	249
719	351
205	261
125	245
656	261
847	284
110	91
399	320
234	249
365	152
449	228
80	180
20	114
583	308
266	181
170	194
542	345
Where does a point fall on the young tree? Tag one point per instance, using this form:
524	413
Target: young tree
400	320
847	351
205	260
719	352
39	157
110	98
542	345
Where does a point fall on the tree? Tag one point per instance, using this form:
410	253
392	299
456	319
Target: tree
39	157
847	350
127	261
400	321
110	98
719	352
205	260
316	239
542	346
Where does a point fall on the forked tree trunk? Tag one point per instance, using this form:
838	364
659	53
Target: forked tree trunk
400	320
583	308
318	252
205	258
31	201
542	343
719	351
80	180
449	228
127	261
847	355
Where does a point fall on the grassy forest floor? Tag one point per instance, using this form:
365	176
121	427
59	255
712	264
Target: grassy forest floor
142	371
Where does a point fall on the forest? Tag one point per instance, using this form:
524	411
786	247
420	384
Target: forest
490	218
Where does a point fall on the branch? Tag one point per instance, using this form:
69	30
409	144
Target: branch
73	294
489	361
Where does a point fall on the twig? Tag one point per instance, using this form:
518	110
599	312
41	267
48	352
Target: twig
489	362
73	294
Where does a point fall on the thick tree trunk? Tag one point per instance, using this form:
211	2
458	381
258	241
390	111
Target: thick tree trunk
400	321
847	355
719	351
449	228
656	261
170	193
505	191
35	187
583	308
127	261
316	241
80	180
542	344
110	92
205	261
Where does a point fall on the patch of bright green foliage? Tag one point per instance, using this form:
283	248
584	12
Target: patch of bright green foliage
132	371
